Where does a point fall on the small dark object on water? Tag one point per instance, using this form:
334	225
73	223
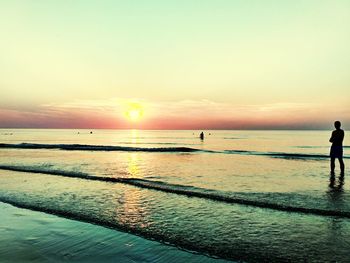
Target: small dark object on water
201	136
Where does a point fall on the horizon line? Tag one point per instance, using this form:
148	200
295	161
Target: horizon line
204	129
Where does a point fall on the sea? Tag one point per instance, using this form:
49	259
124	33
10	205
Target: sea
247	196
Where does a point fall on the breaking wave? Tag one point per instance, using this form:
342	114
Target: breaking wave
185	190
282	155
180	149
84	147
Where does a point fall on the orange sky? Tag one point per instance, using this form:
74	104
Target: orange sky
188	64
112	114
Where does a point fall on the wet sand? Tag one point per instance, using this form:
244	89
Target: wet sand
30	236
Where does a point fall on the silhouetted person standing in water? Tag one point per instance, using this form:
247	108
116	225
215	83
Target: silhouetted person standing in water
337	147
201	136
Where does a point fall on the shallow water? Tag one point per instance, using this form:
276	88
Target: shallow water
29	236
240	195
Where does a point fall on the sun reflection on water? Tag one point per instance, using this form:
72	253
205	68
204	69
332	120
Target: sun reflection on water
133	165
135	136
130	209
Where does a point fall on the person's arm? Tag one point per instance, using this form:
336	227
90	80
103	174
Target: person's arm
332	137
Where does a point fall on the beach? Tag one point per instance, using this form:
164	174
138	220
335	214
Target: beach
29	236
146	196
175	131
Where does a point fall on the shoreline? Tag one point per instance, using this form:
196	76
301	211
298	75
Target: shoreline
32	236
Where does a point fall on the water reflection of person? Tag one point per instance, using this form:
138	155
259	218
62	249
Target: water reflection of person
337	147
336	187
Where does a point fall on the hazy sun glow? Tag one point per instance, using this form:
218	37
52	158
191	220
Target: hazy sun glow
134	112
134	115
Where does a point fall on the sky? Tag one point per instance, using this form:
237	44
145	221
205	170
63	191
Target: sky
184	64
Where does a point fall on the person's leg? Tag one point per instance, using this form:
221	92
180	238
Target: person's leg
332	164
332	180
342	167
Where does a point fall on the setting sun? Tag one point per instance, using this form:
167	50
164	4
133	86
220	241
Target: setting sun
134	115
134	112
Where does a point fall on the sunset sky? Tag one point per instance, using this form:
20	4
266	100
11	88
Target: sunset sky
184	64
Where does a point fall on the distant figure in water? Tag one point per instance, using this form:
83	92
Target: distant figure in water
201	136
91	132
337	147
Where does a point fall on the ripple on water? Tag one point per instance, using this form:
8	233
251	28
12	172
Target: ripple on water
225	230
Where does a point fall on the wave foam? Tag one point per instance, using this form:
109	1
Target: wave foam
185	190
85	147
282	155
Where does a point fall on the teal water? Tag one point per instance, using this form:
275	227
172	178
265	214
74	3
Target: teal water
240	195
30	236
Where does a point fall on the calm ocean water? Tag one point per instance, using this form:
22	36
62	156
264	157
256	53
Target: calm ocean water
241	195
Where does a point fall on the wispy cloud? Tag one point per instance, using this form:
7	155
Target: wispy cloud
185	114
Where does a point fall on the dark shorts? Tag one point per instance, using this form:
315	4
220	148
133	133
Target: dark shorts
336	152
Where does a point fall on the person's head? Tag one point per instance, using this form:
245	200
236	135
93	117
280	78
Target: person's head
337	125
